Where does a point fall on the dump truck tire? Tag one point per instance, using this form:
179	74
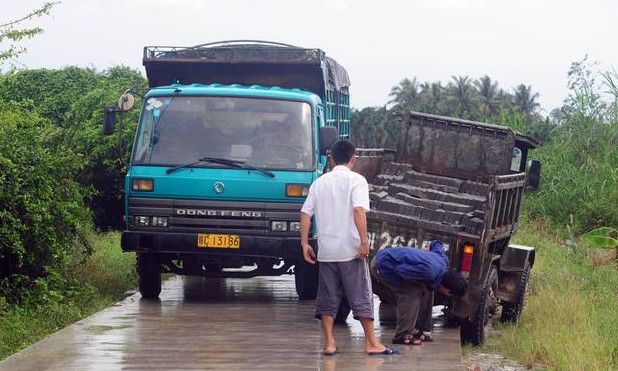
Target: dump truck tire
149	271
306	280
511	312
474	329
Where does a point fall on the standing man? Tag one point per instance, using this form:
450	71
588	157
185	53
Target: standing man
412	274
339	200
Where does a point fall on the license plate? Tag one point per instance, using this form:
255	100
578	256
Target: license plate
218	241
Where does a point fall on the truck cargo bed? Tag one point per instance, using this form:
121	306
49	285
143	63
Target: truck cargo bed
401	195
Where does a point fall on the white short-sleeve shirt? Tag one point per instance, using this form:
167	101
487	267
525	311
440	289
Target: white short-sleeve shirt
331	200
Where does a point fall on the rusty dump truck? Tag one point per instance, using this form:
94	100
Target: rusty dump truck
460	182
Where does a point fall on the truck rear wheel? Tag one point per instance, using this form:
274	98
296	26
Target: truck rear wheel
149	271
474	329
511	312
306	280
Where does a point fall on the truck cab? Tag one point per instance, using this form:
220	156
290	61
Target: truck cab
229	139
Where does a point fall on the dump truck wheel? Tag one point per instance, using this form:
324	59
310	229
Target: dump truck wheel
149	271
306	279
474	329
511	312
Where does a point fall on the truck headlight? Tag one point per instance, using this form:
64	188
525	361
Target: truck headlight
159	221
294	226
296	190
141	221
142	184
279	226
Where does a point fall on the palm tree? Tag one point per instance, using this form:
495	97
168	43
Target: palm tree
406	95
525	101
461	95
424	97
487	97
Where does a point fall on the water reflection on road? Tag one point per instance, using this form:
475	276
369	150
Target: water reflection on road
222	324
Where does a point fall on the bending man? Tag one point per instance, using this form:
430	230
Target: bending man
412	273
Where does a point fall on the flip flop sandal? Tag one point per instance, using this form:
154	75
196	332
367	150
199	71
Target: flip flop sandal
386	352
408	340
324	352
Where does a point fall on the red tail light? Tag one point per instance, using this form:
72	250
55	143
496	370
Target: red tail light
466	258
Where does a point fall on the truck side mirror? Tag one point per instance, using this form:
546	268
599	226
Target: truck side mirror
327	137
533	175
110	120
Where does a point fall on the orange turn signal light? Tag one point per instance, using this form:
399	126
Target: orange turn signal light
142	184
468	249
296	190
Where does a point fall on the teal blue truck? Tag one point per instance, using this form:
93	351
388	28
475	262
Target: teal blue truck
230	136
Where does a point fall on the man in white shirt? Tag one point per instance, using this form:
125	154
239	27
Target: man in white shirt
339	201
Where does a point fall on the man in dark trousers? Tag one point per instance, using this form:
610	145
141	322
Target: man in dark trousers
413	274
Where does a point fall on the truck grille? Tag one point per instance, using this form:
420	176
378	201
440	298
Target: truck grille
221	216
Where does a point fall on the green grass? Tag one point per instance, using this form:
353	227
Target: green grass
571	316
61	299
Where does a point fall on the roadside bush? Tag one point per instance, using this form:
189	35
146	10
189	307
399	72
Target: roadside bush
42	209
579	183
106	157
50	93
73	99
580	177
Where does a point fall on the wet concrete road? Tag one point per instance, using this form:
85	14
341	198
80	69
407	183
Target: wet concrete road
215	324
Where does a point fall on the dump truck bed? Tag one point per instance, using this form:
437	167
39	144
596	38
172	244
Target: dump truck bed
426	190
455	148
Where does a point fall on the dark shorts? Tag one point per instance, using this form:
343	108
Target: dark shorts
349	279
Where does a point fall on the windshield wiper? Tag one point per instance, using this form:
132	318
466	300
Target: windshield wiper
221	161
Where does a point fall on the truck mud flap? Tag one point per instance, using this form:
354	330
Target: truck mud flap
513	262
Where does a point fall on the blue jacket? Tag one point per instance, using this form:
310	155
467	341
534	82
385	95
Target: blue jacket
399	264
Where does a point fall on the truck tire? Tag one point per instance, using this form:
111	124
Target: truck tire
149	271
306	280
474	329
342	313
511	312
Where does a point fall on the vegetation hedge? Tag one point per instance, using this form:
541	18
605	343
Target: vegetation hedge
42	205
72	99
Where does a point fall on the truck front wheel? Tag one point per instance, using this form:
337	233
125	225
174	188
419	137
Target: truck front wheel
474	329
306	280
149	271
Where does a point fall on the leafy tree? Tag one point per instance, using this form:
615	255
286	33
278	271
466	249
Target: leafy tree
12	34
584	99
51	93
525	101
462	97
610	81
374	128
432	96
406	95
73	98
42	205
489	103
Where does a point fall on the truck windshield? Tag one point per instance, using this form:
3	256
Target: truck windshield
264	133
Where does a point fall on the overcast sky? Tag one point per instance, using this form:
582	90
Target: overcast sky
379	42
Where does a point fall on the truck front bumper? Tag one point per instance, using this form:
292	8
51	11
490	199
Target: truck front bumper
287	248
